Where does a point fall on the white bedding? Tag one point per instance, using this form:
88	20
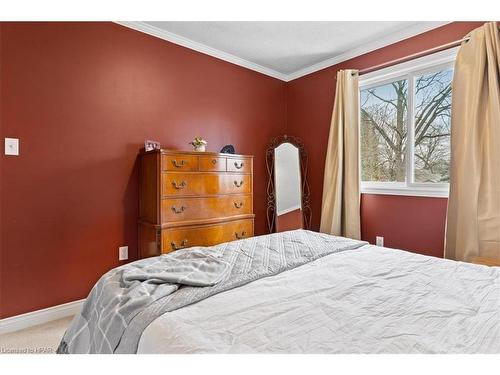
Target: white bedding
369	300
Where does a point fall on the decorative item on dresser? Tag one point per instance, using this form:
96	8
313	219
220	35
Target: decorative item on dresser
199	144
190	199
228	149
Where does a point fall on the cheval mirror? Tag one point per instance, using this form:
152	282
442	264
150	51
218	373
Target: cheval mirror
288	205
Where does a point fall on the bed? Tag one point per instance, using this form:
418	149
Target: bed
346	297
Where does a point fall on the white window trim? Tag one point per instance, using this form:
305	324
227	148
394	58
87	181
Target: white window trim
400	188
408	70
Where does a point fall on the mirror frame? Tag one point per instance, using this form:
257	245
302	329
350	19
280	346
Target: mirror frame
271	189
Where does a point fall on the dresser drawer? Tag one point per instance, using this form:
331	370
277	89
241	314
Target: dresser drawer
179	162
200	208
209	235
189	184
212	163
243	165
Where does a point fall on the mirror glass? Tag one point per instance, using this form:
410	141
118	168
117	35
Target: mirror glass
288	187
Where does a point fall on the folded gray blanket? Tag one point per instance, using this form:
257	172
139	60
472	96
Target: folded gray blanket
196	267
123	292
128	298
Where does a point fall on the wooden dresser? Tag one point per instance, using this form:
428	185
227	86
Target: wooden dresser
193	199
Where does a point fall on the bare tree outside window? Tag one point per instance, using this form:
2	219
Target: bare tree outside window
384	129
383	132
432	126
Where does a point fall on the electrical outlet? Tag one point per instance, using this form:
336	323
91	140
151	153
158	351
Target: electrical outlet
379	241
123	253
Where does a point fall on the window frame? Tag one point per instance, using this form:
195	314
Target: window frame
407	70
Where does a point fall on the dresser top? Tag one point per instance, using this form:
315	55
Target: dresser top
197	153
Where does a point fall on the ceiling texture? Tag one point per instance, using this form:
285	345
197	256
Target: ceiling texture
284	50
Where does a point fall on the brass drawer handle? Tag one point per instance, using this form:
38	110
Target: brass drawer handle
238	205
238	184
178	210
182	185
240	236
238	166
179	165
214	161
181	246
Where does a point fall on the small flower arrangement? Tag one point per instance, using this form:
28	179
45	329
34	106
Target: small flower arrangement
199	144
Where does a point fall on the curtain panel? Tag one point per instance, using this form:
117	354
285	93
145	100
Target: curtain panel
340	211
473	220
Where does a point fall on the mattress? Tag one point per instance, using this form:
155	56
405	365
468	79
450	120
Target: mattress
368	300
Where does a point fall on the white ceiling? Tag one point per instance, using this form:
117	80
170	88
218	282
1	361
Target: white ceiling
284	50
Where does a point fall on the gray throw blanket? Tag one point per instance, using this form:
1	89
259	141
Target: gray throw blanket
128	298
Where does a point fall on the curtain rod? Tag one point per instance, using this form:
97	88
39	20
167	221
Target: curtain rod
414	55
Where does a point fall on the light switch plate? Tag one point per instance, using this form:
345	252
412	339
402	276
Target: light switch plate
123	253
12	146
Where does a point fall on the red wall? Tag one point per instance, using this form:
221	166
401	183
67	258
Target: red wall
82	98
289	221
410	223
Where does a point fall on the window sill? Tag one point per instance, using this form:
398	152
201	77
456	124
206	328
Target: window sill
412	192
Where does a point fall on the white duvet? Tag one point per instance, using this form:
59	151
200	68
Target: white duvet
369	300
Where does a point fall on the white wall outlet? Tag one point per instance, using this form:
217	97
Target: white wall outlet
12	146
123	253
379	241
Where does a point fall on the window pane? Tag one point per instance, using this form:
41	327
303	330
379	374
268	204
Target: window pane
432	126
383	132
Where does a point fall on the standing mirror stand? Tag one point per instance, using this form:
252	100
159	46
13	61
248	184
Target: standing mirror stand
288	202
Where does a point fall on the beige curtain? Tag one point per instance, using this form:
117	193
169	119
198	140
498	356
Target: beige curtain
473	223
340	208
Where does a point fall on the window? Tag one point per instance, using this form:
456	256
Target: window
405	113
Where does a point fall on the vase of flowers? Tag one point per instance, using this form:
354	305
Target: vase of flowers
199	144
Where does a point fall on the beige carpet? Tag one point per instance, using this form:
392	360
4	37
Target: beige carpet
40	339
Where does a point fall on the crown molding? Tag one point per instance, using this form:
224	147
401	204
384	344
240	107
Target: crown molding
203	48
368	47
417	28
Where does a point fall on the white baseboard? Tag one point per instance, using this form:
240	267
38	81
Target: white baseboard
15	323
